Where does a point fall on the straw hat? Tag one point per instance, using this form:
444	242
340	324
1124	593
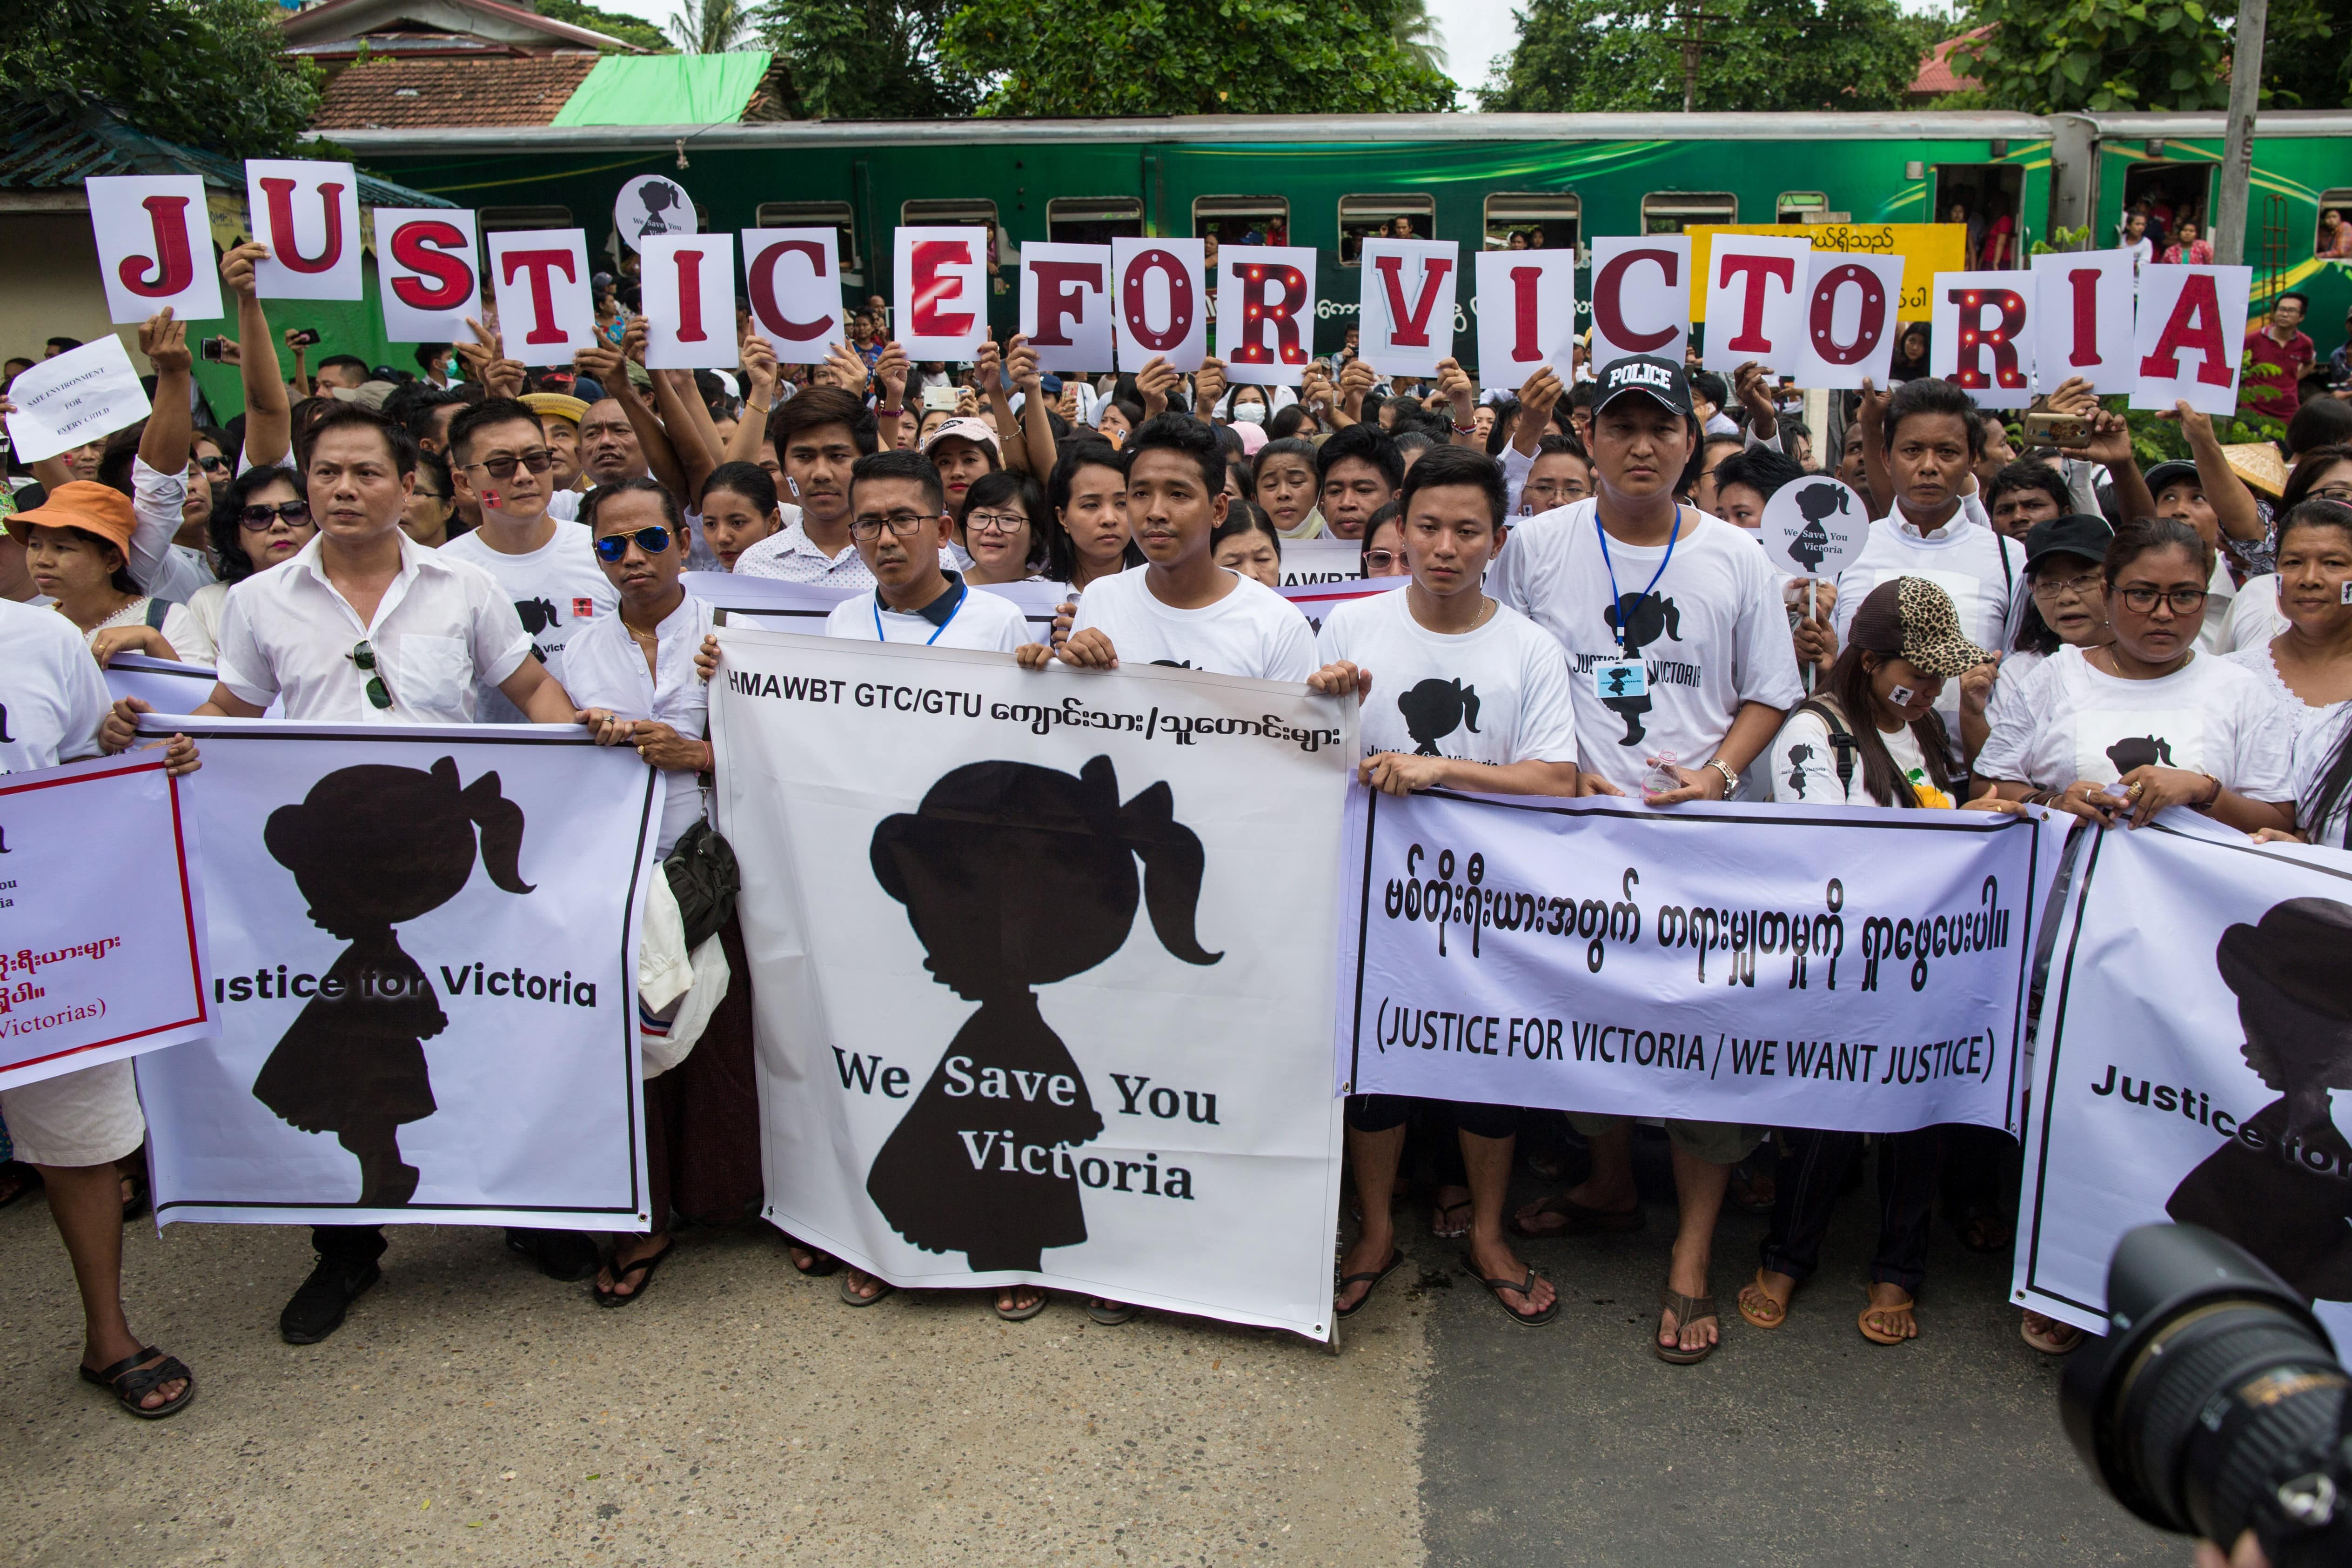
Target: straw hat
2259	464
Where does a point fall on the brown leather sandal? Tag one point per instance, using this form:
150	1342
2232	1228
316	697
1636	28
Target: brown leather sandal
1686	1310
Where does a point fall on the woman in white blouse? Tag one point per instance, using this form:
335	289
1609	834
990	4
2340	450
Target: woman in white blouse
77	549
263	519
2308	665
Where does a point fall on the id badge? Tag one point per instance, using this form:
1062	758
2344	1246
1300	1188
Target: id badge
1621	678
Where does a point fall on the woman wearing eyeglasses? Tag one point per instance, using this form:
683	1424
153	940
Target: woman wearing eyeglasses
1000	531
263	520
2121	731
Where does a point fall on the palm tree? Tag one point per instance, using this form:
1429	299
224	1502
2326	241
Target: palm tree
710	26
1416	31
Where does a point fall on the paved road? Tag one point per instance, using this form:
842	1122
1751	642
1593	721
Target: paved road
472	1410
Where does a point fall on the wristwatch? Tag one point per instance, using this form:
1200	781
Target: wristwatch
1730	778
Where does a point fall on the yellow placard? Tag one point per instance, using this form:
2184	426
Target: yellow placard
1926	249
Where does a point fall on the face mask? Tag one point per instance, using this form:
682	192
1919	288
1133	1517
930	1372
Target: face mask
1250	413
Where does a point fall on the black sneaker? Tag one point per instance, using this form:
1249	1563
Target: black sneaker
317	1309
566	1255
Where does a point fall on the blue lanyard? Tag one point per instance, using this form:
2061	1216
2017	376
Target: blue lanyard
963	592
1616	600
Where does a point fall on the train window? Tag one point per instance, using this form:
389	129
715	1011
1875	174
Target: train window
1093	220
835	216
1801	206
979	215
1547	220
1670	212
1985	198
506	220
2334	242
2170	194
1241	220
1372	217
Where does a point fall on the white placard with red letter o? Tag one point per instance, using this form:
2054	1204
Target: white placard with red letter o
1265	315
1158	307
2190	332
940	304
1405	322
1526	314
154	245
2082	320
428	270
1641	297
1981	340
539	279
1756	293
308	213
792	278
688	283
1066	306
1850	322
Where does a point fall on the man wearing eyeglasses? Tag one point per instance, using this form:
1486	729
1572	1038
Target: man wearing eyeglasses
899	520
499	460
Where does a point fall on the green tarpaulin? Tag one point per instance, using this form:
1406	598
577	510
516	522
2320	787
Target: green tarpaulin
665	90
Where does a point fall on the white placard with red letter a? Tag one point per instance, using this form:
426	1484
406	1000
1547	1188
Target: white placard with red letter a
154	245
687	284
1266	316
1641	297
308	213
2191	330
1405	323
1756	293
1981	341
2082	320
427	270
1526	314
539	279
941	306
1849	325
791	277
1156	304
1066	306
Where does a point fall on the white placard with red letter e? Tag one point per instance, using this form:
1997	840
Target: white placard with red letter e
539	277
1266	318
1405	322
154	245
2082	320
308	213
1066	306
1641	297
1156	304
2190	332
1526	314
1849	325
428	271
1756	293
792	278
687	284
941	306
1981	341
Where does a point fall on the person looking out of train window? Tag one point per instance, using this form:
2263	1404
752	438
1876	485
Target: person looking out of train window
2188	248
2136	240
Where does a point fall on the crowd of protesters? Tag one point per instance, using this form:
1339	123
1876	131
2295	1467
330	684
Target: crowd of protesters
479	543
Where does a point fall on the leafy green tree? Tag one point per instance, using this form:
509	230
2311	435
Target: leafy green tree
710	26
612	24
2152	55
867	60
208	73
1594	56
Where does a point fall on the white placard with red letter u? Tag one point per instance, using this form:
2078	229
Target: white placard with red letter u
308	213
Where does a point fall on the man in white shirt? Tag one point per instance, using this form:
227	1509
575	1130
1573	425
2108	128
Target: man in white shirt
366	626
898	519
819	436
72	1128
1681	666
500	462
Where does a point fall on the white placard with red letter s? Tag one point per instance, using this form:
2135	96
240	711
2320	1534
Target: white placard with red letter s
1405	322
308	213
1526	314
792	278
154	245
2190	332
1981	340
941	307
1641	297
1157	305
688	291
540	280
1066	306
1849	325
2082	320
428	271
1265	319
1756	293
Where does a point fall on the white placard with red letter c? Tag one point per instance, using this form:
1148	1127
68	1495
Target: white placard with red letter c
539	279
1850	324
428	271
308	213
941	305
688	291
1066	306
154	245
1641	297
791	278
1756	293
1405	322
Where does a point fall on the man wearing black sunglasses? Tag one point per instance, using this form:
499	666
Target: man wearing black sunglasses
500	459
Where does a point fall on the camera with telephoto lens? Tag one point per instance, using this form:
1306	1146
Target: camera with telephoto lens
2216	1403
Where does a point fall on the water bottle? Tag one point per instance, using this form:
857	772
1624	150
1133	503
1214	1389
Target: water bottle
1661	778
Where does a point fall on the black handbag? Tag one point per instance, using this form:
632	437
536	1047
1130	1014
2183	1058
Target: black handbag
705	879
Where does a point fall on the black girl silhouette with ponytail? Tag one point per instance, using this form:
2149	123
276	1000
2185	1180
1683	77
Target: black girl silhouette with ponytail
981	1164
370	846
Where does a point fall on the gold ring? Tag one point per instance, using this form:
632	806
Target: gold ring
2138	785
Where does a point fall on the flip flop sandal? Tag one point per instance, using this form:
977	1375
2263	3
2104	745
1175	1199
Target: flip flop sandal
1022	1314
854	1299
16	1179
1524	1288
131	1383
1114	1314
826	1263
136	1204
1688	1309
2057	1338
1580	1220
1881	1336
1396	1260
1756	1319
1438	1227
642	1269
1986	1233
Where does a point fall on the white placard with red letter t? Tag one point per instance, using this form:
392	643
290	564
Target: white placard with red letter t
1526	314
308	213
427	267
1157	302
154	245
792	280
1266	322
1756	293
539	279
1066	306
2083	319
2191	330
689	284
1641	297
1981	342
941	306
1405	324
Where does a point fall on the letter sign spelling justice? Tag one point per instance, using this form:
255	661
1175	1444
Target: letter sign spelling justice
539	277
154	245
1981	340
1850	322
1066	306
688	283
1265	319
308	214
940	300
1756	295
2082	320
1526	314
1405	322
2191	330
793	280
1641	297
1157	310
427	273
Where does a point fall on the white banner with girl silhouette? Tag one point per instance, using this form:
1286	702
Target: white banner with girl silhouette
2196	1020
1040	963
424	956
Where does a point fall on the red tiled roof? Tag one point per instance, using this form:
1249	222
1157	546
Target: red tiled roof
395	94
1936	74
